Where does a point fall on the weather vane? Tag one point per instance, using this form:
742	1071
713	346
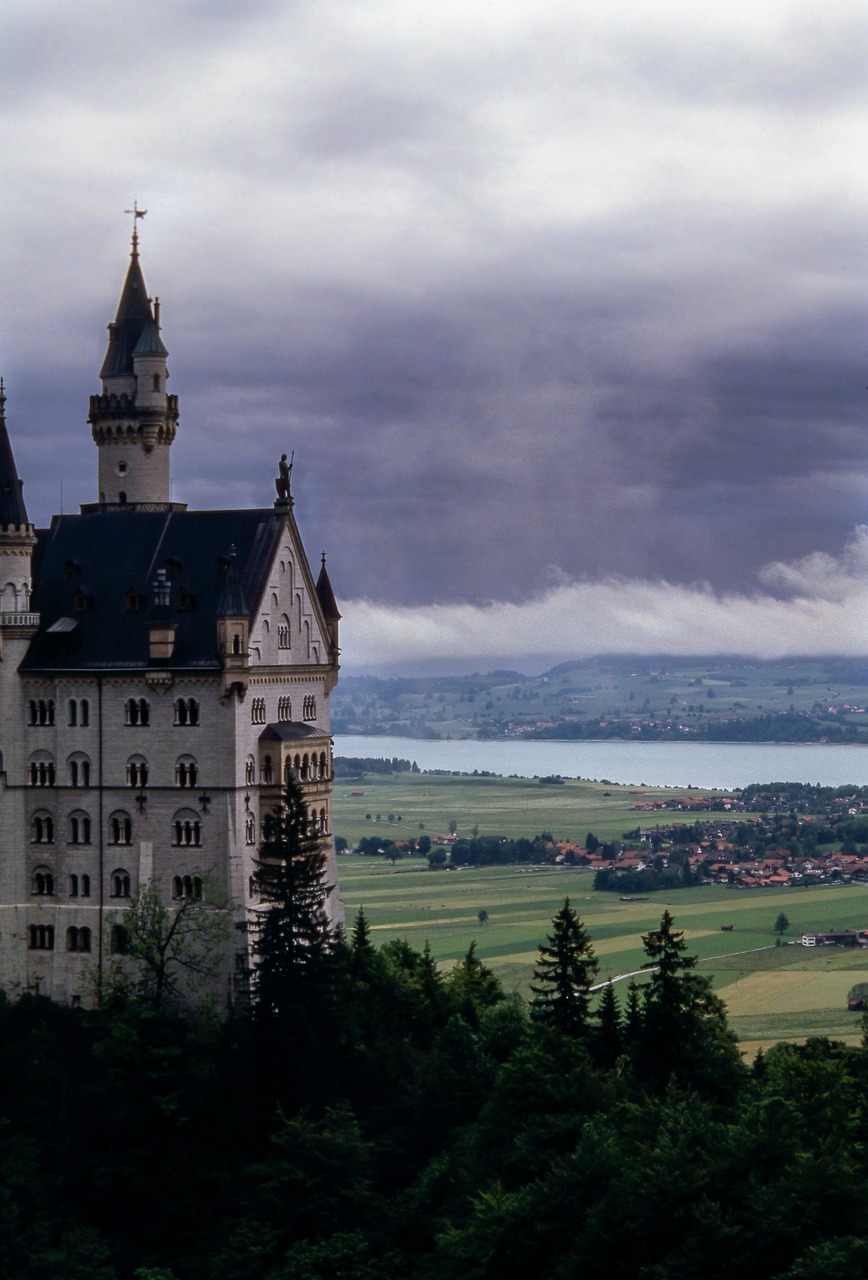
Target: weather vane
137	213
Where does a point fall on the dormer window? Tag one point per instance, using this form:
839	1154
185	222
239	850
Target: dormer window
80	602
162	590
132	601
185	600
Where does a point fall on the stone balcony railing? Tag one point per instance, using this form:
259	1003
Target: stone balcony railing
18	619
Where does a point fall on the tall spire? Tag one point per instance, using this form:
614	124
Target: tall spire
13	512
134	420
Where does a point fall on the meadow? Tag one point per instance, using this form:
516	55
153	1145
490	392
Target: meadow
772	992
403	806
786	992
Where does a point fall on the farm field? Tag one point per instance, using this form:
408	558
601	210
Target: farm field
772	993
432	803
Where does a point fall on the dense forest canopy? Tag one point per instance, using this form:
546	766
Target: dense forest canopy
375	1117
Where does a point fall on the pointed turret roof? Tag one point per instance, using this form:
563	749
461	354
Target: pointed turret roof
128	328
12	508
326	595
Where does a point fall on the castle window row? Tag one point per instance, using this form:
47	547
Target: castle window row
42	884
186	829
137	711
284	709
41	938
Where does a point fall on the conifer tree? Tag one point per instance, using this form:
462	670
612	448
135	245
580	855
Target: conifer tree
293	940
564	972
609	1039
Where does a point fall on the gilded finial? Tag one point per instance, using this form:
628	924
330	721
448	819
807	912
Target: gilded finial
136	213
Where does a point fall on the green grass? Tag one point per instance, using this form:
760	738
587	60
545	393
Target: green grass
786	992
430	803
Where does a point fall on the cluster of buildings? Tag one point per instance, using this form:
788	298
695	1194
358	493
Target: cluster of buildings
163	672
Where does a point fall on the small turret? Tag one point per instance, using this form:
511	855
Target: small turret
329	606
134	419
17	540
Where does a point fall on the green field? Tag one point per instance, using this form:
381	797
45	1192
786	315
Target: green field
773	993
431	803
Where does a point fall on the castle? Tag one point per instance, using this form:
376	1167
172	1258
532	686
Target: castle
162	671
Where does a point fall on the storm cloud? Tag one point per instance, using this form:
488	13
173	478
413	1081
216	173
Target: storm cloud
561	308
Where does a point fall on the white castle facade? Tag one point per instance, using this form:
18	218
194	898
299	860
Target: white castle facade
162	672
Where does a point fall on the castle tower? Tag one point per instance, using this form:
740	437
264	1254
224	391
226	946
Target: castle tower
134	419
17	540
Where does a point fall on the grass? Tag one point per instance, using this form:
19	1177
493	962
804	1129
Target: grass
431	803
773	993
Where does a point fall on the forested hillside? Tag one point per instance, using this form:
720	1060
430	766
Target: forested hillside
375	1117
649	699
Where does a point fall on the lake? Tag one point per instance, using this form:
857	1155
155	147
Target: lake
721	765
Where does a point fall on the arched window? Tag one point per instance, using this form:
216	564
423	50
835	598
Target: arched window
79	828
79	885
120	828
186	829
42	828
120	883
288	772
41	937
77	939
283	633
186	772
40	711
186	711
137	711
79	712
41	770
42	883
284	709
79	771
250	771
323	765
268	770
187	887
309	708
257	711
137	771
250	830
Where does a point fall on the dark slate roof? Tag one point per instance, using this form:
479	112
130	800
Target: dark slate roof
327	596
290	730
134	313
150	343
101	556
12	508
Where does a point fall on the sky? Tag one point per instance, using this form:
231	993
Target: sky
563	307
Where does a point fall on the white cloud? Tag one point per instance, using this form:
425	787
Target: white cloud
824	612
